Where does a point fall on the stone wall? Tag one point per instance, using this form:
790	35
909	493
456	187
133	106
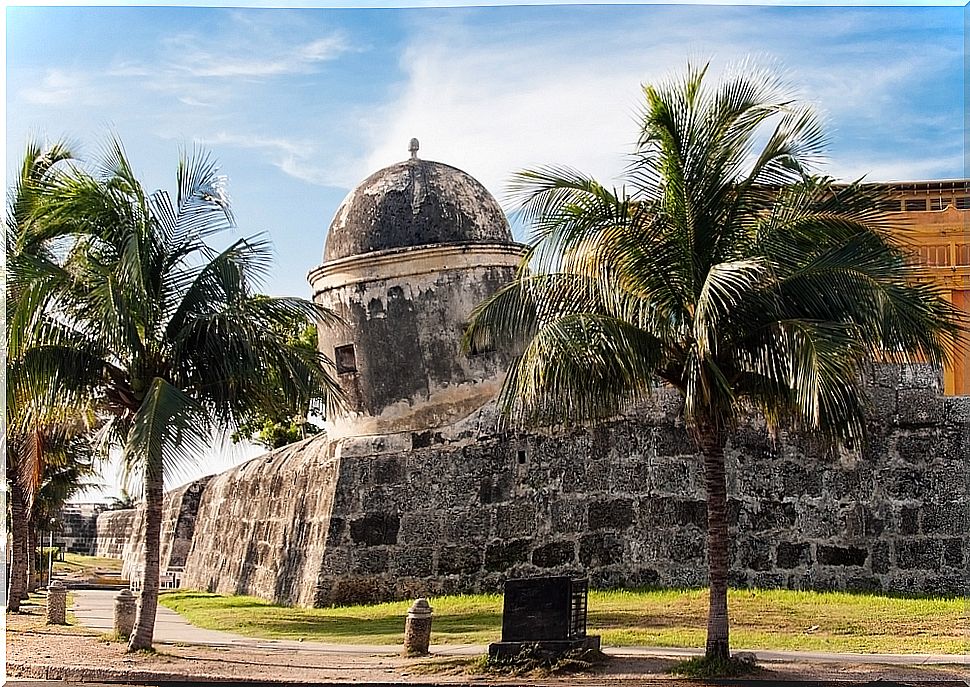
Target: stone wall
463	508
262	527
115	528
624	503
121	533
76	528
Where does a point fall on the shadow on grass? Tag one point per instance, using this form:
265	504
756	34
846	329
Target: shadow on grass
335	628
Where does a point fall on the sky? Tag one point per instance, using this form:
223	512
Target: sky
299	105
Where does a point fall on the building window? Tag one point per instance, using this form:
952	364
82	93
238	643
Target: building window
345	359
963	203
963	254
915	205
939	203
891	205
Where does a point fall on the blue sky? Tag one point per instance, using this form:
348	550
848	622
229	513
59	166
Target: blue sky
299	105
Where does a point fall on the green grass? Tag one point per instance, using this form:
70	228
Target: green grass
761	619
77	563
704	667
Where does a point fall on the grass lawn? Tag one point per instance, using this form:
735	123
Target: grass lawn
77	563
761	619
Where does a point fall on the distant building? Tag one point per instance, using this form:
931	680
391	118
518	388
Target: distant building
936	213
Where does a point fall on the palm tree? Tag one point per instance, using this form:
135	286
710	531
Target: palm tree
724	269
166	330
38	418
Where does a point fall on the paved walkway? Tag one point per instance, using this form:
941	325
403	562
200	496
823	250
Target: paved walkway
95	609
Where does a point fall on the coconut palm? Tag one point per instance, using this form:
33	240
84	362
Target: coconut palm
724	269
166	329
39	420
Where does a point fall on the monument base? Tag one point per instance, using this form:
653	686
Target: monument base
545	649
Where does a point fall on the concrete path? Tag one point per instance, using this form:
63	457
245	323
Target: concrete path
95	609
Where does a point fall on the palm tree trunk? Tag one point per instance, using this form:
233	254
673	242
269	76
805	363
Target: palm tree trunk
141	637
17	591
711	440
31	558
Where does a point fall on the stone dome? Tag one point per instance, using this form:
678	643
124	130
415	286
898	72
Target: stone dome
415	203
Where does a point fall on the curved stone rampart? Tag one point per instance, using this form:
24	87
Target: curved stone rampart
464	507
262	527
114	530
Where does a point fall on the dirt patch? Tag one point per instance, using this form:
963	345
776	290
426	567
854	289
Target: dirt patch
38	651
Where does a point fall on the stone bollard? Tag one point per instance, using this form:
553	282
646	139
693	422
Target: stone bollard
417	628
56	603
124	613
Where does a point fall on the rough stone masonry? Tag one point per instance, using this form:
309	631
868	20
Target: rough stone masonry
420	490
463	509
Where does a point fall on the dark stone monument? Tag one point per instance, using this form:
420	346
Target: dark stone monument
544	615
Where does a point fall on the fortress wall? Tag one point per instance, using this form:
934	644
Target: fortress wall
114	529
262	527
464	509
121	534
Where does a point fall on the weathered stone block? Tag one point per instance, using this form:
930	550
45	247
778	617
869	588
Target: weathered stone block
613	514
791	555
370	560
903	483
840	555
385	470
411	561
335	531
799	479
918	554
848	482
768	515
359	589
420	528
880	559
672	441
600	549
683	545
908	520
861	522
375	528
466	525
503	555
918	446
919	407
945	518
769	580
953	552
459	560
882	403
862	582
630	476
673	476
495	488
753	554
567	516
554	554
515	520
923	377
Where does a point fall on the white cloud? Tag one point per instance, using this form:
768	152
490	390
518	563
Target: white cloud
295	158
59	87
895	169
494	104
184	57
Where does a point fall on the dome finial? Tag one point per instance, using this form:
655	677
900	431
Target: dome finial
413	148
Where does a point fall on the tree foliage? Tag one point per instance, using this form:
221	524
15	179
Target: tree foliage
725	267
164	331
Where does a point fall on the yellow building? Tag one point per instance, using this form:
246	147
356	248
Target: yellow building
937	214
